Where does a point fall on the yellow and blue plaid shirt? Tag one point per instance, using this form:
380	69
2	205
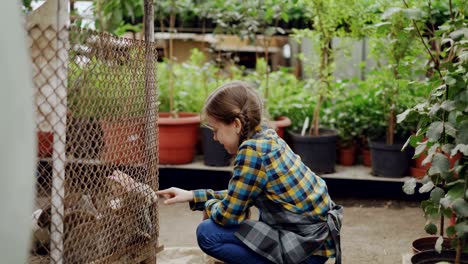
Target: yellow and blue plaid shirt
266	165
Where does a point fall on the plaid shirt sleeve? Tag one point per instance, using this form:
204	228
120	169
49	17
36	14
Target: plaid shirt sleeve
247	182
201	196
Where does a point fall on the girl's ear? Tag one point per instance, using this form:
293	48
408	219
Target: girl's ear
237	125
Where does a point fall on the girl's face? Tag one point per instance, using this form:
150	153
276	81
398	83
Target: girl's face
226	134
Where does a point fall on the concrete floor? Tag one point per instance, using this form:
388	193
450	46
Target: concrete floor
374	231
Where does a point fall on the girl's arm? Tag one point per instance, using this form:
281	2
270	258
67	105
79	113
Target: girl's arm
248	180
175	195
201	196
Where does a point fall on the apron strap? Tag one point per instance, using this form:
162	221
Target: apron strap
334	221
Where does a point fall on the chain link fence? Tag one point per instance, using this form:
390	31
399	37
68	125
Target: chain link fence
97	147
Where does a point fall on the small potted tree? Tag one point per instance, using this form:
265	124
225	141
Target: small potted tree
258	22
197	78
178	131
442	133
280	85
330	19
345	117
106	108
395	43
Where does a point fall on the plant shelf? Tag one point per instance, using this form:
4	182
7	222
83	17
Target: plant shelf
357	172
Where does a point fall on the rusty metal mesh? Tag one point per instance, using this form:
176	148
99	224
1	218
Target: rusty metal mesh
97	147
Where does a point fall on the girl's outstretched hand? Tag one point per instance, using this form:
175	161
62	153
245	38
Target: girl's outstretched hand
175	195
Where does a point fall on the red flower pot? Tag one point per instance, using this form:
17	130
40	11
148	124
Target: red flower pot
178	138
45	144
347	156
418	161
124	141
280	123
366	157
419	171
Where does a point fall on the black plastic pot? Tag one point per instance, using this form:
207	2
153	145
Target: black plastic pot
433	257
428	243
214	153
84	138
389	160
317	152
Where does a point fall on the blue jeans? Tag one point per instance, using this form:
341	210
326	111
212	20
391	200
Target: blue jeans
221	243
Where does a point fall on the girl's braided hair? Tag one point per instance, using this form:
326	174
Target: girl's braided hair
233	100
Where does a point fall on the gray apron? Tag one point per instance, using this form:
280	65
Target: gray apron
285	237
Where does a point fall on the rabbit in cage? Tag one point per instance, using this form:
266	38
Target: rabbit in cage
79	212
136	199
40	232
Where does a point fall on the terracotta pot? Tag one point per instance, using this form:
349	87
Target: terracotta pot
418	170
418	161
347	156
418	173
45	144
280	123
124	140
366	157
178	137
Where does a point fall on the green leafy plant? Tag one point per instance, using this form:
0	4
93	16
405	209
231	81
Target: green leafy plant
395	48
26	6
443	125
103	89
194	80
118	16
287	96
330	19
256	21
345	115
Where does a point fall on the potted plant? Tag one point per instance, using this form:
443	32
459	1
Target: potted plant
196	79
330	19
442	133
258	22
278	86
395	43
178	131
106	108
345	117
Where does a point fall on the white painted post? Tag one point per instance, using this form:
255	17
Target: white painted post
53	18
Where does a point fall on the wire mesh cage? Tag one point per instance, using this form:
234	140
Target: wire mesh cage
97	147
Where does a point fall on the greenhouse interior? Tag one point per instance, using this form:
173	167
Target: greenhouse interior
234	131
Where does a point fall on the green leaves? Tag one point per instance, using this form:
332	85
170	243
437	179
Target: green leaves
461	229
430	228
440	165
435	131
111	14
462	135
409	186
436	194
426	187
409	13
460	206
